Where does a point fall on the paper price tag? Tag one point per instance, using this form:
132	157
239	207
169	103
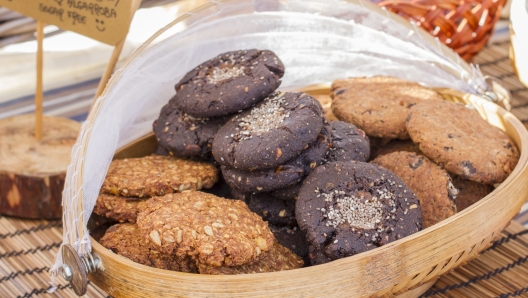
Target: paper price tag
103	20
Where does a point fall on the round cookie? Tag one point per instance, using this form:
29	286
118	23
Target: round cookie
209	229
469	192
431	184
228	83
288	193
274	131
278	258
157	175
183	135
126	240
458	139
378	105
121	209
284	175
397	146
292	238
349	207
275	211
348	143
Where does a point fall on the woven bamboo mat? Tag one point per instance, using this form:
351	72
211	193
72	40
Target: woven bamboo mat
28	248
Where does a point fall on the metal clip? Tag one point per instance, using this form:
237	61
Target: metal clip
75	269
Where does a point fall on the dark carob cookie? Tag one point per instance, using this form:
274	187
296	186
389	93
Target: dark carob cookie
350	207
121	209
378	105
348	143
278	258
469	192
292	238
398	146
126	240
431	184
274	211
228	83
458	139
288	193
284	175
270	134
183	135
209	229
157	175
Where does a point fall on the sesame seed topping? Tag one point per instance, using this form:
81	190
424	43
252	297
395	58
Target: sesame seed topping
220	74
264	118
364	211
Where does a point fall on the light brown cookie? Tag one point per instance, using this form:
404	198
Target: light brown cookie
121	209
458	139
378	105
156	176
431	184
469	192
326	103
278	258
397	146
126	240
212	230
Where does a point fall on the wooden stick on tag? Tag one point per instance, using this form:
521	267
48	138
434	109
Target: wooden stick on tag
39	92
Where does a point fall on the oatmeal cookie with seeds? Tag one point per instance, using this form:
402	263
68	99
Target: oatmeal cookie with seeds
183	135
126	240
228	83
349	207
157	175
458	139
273	132
212	230
284	175
378	105
431	184
121	209
348	143
278	258
469	192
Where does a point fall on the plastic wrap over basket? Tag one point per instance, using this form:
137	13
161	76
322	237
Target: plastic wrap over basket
318	41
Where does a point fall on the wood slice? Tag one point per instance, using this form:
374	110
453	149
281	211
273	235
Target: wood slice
32	172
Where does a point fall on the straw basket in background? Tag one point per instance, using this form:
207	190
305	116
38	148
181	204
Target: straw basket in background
405	268
463	25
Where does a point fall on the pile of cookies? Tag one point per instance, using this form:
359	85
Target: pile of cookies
301	189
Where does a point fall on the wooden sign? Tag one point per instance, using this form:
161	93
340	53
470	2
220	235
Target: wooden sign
103	20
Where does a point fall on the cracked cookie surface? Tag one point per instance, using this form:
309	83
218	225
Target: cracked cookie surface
458	139
212	230
157	175
274	131
228	83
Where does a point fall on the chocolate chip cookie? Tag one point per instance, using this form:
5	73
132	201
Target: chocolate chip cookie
469	192
275	211
126	240
458	139
431	184
278	258
284	175
183	135
274	131
397	146
348	143
157	175
212	230
228	83
350	207
378	105
121	209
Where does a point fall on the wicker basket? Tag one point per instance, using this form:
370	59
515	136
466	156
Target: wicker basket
463	25
405	267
